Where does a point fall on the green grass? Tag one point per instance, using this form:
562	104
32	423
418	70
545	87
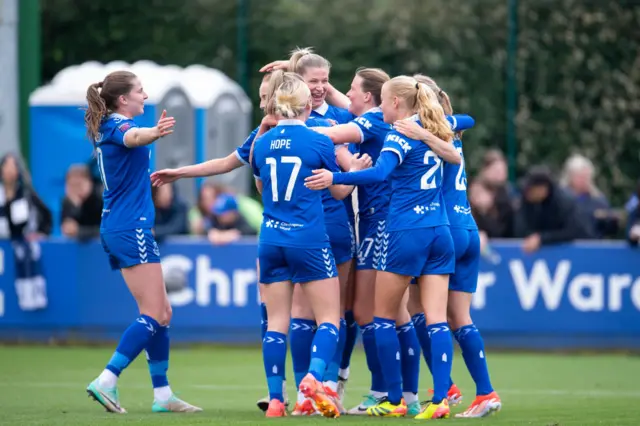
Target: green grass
46	386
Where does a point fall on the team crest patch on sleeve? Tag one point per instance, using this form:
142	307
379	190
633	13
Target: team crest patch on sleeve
124	127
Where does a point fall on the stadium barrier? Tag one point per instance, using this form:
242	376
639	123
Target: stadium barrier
584	295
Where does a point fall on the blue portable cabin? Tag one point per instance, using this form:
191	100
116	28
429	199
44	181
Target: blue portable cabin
222	120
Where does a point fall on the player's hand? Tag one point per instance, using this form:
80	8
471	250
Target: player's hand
531	243
269	122
321	179
164	176
275	65
360	163
332	122
410	129
165	125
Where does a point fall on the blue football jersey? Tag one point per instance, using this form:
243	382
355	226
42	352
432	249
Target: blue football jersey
416	185
334	210
330	112
348	202
127	201
283	157
454	190
373	199
244	150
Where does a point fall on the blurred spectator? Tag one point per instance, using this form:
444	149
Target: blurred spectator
82	205
577	178
494	219
200	216
171	213
547	214
22	212
24	219
495	173
228	224
633	218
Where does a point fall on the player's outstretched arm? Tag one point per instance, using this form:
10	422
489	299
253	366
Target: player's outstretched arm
142	136
217	166
342	133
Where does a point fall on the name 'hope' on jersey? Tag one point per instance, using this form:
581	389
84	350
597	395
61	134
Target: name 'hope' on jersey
127	201
416	185
373	199
454	191
283	157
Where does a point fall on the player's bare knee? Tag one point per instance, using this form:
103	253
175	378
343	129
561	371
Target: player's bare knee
458	319
362	314
436	315
166	316
279	323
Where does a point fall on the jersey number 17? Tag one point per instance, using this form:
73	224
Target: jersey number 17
273	166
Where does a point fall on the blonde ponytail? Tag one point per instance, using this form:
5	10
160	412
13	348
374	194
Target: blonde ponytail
443	98
431	113
420	99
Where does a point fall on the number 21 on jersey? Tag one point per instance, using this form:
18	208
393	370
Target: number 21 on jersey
428	180
273	166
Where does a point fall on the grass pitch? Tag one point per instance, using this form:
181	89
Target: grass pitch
42	385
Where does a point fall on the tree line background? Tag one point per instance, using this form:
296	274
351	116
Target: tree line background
577	61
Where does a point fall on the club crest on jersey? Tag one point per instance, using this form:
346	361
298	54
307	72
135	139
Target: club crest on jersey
124	127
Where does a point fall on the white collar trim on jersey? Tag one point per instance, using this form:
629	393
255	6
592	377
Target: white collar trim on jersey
374	109
414	117
120	116
322	109
291	122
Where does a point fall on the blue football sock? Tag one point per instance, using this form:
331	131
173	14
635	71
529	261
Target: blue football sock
389	355
351	338
472	347
264	320
331	375
322	349
301	334
425	341
420	325
274	354
409	357
158	357
373	361
134	339
441	359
